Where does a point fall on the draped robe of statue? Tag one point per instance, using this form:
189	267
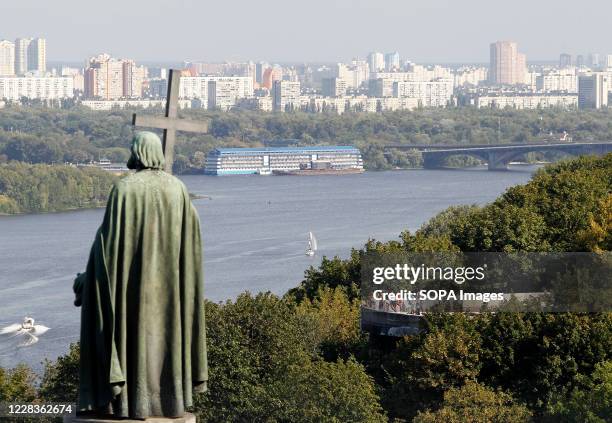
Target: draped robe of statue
143	341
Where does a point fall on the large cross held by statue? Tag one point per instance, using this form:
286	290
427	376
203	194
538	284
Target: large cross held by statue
170	123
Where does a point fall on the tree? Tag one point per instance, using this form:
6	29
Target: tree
475	403
17	384
60	381
592	404
337	392
334	320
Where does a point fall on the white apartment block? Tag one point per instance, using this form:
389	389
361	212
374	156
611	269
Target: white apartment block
415	73
227	90
470	76
123	104
558	80
43	88
286	94
429	94
7	58
354	74
327	104
398	103
527	101
362	104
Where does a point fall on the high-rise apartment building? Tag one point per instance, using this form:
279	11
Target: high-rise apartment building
392	62
271	75
30	55
21	55
37	55
508	66
7	58
111	79
224	91
285	96
594	60
133	79
259	71
376	61
593	90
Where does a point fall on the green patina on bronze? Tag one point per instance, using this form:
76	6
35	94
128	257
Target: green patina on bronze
143	341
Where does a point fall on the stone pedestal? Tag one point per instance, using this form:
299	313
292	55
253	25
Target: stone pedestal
187	418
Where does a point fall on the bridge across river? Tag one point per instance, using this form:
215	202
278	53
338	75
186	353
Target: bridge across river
498	156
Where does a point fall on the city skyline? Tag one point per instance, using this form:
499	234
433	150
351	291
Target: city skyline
325	31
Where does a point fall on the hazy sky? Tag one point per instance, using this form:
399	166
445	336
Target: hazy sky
309	30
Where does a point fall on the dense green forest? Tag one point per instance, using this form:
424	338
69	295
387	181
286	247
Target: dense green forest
303	358
43	135
26	188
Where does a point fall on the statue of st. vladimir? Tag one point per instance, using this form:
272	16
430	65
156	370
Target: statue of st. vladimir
143	340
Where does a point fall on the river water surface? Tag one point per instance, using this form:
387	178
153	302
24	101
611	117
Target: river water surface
254	232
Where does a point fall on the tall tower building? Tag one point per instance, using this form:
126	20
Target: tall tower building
133	78
104	78
30	55
594	60
593	90
37	55
508	66
376	61
7	58
565	60
392	61
21	55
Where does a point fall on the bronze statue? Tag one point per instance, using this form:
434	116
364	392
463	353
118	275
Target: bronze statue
143	340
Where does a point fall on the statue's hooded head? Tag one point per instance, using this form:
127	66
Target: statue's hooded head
146	152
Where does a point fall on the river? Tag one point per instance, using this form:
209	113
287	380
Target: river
254	232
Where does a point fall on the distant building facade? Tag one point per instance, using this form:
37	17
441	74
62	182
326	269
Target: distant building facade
392	62
429	93
241	161
507	65
285	96
107	78
376	61
333	87
30	55
593	90
41	88
215	92
7	58
526	101
565	60
565	79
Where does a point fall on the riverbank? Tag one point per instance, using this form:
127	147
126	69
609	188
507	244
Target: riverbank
39	188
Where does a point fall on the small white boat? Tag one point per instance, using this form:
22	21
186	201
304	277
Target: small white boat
264	171
312	245
26	330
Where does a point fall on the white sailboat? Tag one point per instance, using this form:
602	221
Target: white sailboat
312	245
